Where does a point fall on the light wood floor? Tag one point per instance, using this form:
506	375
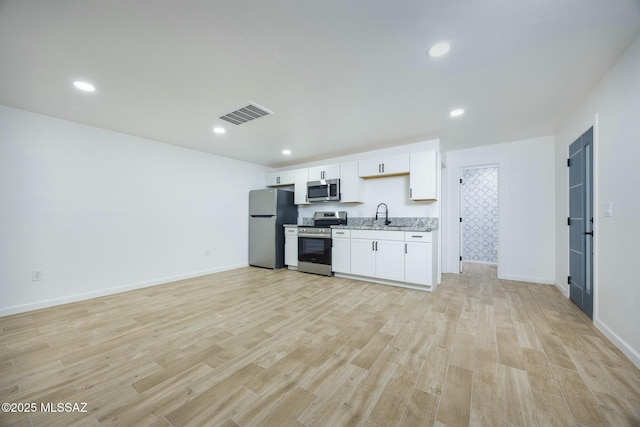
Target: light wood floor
260	347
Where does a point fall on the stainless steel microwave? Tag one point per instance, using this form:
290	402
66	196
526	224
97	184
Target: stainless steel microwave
325	190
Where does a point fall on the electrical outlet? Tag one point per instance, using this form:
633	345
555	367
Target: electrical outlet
36	275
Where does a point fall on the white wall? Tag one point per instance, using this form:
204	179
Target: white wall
100	212
526	181
614	108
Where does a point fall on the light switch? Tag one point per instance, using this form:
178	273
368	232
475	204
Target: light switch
608	209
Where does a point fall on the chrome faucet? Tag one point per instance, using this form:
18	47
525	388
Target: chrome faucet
386	213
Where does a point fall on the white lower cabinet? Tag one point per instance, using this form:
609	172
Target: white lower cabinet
363	258
341	251
416	269
390	260
377	254
394	257
420	266
291	247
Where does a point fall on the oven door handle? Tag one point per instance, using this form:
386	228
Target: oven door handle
314	236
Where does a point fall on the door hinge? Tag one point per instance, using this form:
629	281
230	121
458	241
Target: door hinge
568	163
460	258
568	221
460	180
460	219
568	280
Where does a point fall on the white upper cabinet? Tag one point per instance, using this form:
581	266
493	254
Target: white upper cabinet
318	173
351	185
423	176
384	166
422	168
274	179
300	186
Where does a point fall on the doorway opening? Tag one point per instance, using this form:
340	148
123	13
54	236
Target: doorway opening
479	215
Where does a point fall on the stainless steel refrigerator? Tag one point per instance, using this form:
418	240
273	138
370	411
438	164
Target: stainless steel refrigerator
269	210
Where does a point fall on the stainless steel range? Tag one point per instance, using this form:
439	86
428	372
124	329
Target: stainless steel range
314	242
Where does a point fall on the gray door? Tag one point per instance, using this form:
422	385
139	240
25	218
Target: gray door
581	222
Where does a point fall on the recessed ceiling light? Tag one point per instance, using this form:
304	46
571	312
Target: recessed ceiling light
439	49
219	130
286	152
457	112
84	86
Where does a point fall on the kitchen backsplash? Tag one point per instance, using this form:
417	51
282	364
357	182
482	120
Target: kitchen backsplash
424	222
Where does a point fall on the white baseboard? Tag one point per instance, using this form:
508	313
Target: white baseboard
426	288
479	262
527	279
563	288
624	347
5	311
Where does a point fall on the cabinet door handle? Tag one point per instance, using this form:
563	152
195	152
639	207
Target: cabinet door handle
411	193
405	248
277	180
379	168
376	246
339	232
373	245
419	237
383	168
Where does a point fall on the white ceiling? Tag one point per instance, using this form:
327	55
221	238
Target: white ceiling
342	76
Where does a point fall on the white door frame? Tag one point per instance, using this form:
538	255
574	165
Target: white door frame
461	207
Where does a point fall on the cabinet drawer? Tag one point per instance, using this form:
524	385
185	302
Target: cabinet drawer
340	233
377	234
291	231
417	236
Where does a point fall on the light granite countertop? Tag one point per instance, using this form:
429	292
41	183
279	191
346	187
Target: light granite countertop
384	227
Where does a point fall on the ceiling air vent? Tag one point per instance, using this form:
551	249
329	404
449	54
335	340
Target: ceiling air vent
246	113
